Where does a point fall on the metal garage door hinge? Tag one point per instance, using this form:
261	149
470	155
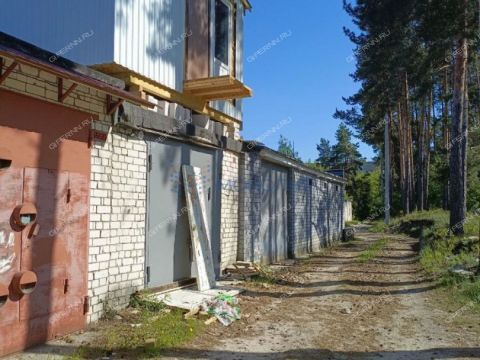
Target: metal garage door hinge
86	305
149	163
148	274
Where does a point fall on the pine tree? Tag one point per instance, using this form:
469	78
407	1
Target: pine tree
324	153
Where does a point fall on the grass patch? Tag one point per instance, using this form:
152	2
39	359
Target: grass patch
351	223
143	332
265	276
140	300
379	227
372	251
441	252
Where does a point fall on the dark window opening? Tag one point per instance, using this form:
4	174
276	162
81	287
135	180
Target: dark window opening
221	31
4	163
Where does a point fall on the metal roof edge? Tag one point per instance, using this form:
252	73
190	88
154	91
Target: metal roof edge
276	157
31	55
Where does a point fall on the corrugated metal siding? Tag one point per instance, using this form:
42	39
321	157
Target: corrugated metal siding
226	106
150	39
240	51
54	24
239	45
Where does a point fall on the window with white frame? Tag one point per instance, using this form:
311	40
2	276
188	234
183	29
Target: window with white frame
222	29
222	36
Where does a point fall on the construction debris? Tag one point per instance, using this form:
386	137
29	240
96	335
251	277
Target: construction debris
242	270
211	320
224	308
192	312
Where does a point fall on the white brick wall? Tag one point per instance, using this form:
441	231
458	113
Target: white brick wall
117	224
229	209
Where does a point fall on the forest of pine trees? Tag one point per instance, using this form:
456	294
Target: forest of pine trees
418	65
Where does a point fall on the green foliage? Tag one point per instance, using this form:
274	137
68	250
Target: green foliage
142	335
314	166
411	44
343	155
372	251
324	153
473	179
287	148
379	227
351	223
141	300
365	192
437	255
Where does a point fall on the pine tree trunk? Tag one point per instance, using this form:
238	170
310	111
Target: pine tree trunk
420	161
410	175
403	157
429	134
458	154
406	153
446	140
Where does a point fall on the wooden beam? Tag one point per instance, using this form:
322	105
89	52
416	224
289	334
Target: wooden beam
8	71
149	86
63	95
112	105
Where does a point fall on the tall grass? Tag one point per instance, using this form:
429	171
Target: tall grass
437	255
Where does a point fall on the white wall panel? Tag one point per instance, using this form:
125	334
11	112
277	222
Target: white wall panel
150	39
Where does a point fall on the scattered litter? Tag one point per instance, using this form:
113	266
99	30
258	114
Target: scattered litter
223	307
460	270
189	299
346	311
211	320
242	270
192	313
136	325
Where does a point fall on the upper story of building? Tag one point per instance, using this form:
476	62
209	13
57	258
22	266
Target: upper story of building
187	52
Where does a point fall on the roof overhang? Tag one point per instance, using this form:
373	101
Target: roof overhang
24	53
217	88
247	5
280	159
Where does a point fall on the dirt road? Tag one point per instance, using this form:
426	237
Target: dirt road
332	306
343	309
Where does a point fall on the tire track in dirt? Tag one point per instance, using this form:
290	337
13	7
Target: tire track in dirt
344	309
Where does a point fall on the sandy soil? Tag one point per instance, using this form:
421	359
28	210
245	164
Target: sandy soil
331	306
339	308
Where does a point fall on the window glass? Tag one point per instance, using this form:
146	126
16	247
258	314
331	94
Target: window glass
221	31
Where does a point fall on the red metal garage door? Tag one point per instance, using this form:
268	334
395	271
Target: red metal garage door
44	184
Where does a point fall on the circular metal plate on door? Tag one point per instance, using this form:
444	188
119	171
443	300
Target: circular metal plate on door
24	215
3	294
24	283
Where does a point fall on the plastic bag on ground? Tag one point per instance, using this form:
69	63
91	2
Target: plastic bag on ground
224	308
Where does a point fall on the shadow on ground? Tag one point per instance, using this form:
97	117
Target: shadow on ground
179	353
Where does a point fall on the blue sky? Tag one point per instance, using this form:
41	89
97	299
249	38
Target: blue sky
298	82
